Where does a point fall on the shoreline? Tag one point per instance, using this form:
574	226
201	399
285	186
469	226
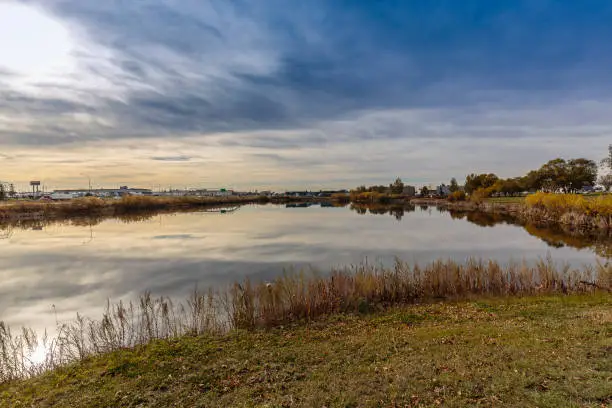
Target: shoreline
18	211
427	346
24	211
524	214
289	299
554	233
532	351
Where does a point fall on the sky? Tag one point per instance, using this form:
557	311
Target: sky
277	94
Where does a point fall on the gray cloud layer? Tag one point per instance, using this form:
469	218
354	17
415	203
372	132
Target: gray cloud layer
192	66
256	76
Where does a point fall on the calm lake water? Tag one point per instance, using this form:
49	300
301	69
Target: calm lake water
78	266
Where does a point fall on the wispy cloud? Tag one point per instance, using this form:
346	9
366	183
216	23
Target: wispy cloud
181	158
250	82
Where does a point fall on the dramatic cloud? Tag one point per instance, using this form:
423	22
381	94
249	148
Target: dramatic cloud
263	94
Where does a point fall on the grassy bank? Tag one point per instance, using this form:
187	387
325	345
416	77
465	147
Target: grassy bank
570	209
557	236
288	299
506	200
92	206
573	211
128	205
545	351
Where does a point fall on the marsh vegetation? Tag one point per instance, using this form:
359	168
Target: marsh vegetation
293	297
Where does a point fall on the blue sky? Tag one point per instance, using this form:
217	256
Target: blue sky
288	94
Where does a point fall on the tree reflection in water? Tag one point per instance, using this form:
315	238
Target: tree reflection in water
7	227
397	211
600	242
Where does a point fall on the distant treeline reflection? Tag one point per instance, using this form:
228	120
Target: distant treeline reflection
398	211
597	241
8	226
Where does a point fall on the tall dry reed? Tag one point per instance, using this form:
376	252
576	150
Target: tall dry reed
94	206
570	209
291	297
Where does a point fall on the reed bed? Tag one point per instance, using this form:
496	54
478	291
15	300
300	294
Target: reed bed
290	298
570	209
112	207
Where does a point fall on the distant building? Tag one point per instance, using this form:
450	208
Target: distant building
103	192
299	194
221	192
409	191
443	190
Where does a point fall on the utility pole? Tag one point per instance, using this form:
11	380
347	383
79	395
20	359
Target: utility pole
88	180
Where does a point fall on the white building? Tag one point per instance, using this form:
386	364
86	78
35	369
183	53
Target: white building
443	190
103	192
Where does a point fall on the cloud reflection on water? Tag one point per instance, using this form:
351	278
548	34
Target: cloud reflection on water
78	267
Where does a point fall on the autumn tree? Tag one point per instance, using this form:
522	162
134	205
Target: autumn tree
511	186
565	175
580	173
474	182
454	186
378	189
552	175
397	187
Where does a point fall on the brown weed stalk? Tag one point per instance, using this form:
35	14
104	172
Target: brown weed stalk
289	298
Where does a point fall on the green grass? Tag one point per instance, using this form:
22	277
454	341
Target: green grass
553	351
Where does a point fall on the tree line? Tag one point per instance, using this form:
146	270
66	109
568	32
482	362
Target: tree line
397	187
557	175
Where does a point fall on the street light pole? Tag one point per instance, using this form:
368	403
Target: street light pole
88	180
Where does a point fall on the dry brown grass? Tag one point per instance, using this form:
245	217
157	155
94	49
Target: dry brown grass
94	206
540	351
289	298
570	209
302	296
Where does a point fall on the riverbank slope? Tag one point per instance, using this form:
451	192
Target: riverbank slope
546	351
571	211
